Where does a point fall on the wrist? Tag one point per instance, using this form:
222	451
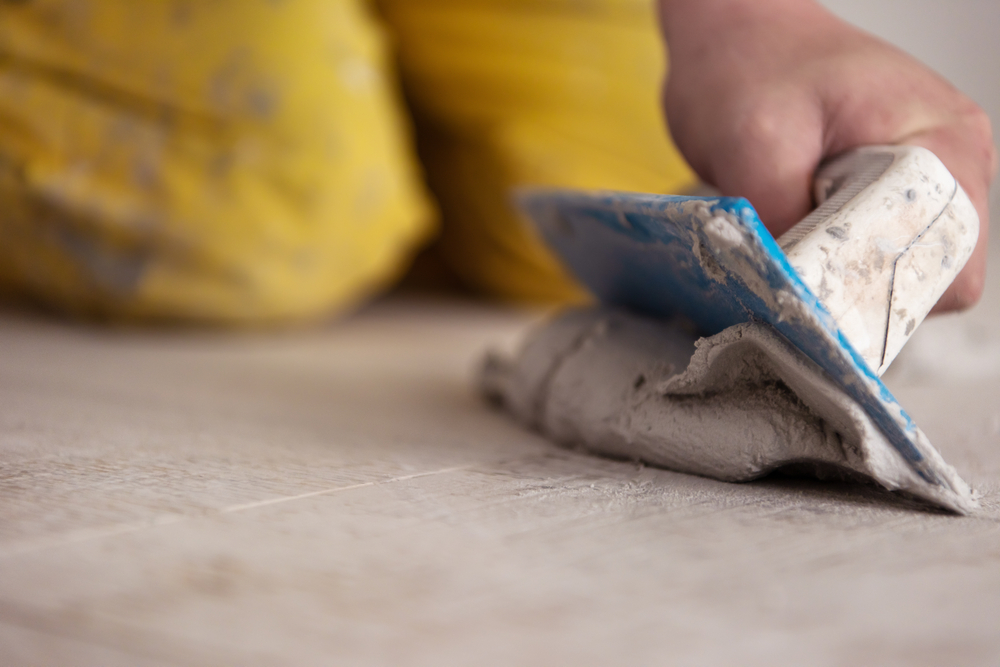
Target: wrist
697	24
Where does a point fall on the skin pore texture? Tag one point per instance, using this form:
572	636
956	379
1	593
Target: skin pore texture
760	92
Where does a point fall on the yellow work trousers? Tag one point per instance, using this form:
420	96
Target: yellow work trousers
251	161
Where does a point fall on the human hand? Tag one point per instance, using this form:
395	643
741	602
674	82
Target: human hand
761	91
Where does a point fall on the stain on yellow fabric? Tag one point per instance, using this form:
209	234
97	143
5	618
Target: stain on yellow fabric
230	161
249	161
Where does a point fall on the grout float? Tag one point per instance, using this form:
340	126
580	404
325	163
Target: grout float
733	406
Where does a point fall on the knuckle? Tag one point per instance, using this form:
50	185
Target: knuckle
978	125
979	122
967	291
775	136
760	123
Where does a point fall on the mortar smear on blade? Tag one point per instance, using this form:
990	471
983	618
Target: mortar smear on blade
793	337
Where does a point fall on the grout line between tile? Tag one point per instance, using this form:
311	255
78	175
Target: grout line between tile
88	534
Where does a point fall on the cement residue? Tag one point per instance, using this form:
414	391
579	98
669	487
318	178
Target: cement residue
734	406
730	244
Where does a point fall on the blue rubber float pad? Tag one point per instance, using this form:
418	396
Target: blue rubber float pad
712	261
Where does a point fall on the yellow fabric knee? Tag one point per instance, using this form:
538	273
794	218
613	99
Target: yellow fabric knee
515	92
234	161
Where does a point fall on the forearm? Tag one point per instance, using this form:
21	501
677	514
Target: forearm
768	33
691	21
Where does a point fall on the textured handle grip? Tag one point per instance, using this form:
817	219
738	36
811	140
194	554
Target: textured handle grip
892	231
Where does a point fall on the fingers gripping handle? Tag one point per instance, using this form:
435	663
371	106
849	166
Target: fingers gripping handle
892	231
